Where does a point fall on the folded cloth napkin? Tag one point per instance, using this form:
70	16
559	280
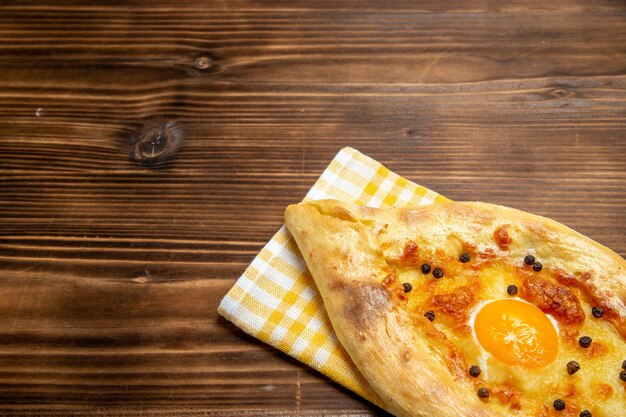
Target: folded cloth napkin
276	300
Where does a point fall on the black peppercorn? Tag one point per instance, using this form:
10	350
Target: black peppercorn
407	287
430	315
464	257
585	413
572	367
622	376
559	405
483	392
584	341
437	272
474	371
511	290
537	266
597	312
425	268
624	365
529	259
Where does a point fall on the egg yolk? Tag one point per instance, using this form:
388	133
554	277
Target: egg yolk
516	333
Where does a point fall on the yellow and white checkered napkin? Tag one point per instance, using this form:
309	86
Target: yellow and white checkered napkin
276	299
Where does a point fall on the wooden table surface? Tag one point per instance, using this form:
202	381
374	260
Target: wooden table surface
148	149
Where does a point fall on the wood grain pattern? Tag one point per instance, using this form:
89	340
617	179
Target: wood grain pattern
113	261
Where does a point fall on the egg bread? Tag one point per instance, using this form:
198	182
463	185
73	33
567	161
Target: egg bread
470	309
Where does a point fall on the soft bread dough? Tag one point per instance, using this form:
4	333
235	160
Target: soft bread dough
412	368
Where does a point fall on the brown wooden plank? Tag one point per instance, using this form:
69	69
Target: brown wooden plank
272	6
305	46
111	269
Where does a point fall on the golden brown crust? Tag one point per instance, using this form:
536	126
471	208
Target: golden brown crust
353	253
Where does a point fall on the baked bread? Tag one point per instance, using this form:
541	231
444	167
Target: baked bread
470	309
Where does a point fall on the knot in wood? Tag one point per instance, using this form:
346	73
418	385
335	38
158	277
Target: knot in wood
410	132
203	62
157	140
561	92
